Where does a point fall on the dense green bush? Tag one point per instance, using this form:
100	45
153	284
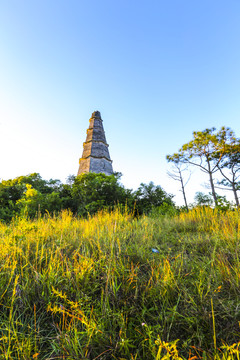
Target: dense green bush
84	194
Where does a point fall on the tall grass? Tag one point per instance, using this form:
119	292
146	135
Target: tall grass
93	289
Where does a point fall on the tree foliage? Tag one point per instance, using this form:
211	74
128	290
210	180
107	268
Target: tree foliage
229	161
84	194
93	192
212	151
150	196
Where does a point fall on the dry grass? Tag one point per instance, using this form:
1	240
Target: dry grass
93	289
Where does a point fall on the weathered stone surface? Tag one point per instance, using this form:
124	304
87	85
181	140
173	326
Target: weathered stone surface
84	165
96	135
101	166
95	157
95	149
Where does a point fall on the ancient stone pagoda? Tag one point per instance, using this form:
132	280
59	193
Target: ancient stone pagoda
95	157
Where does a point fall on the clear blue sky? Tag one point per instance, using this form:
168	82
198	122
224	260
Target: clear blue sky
156	70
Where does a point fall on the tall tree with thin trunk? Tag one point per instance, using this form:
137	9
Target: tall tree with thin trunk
228	155
177	174
200	152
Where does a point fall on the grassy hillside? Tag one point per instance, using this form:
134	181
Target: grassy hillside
94	289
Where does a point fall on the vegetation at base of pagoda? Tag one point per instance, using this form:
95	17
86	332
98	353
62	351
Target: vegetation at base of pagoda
213	152
84	194
75	288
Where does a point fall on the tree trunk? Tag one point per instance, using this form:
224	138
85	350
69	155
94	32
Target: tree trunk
212	184
232	182
235	194
183	190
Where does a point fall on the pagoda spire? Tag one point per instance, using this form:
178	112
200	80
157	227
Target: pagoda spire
95	157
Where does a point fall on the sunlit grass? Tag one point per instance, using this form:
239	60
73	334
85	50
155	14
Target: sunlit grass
93	289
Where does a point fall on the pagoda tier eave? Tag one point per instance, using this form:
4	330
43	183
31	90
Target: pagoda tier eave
95	141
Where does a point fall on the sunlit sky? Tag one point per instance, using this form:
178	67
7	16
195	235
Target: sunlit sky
156	70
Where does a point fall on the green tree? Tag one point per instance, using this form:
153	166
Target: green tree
150	196
202	199
201	152
29	193
229	161
92	192
30	203
10	193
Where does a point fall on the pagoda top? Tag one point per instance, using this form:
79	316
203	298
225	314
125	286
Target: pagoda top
96	114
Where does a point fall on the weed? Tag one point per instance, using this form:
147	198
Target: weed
92	288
